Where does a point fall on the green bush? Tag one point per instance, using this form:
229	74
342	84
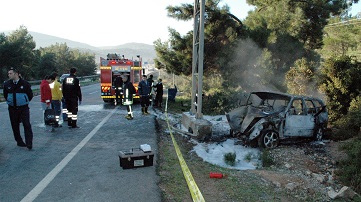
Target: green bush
221	102
349	170
266	158
349	125
230	158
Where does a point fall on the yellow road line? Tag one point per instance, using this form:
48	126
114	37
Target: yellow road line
192	186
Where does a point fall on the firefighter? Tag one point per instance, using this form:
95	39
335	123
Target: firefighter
128	91
118	83
72	94
144	90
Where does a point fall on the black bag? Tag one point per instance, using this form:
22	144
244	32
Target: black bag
49	117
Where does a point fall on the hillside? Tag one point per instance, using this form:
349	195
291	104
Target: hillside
129	50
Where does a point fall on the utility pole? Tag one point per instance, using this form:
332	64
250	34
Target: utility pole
197	61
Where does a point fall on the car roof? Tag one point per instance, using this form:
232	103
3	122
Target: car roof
282	96
273	95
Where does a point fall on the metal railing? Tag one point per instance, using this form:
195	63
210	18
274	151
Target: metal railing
36	84
82	78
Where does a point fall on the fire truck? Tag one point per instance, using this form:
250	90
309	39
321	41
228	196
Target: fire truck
115	65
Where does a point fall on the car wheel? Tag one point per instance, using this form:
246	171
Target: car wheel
269	139
318	135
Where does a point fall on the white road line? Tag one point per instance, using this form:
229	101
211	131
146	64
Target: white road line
52	174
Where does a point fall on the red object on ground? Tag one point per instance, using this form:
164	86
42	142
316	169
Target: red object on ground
215	175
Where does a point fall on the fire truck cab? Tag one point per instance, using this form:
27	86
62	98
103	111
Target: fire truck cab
115	65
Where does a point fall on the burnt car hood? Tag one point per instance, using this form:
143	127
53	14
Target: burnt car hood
244	117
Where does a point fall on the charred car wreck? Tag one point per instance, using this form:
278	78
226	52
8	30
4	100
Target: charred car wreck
266	118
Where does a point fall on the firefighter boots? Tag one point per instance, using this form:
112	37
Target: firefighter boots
129	117
73	124
146	111
143	110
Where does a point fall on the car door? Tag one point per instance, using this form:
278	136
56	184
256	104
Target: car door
298	122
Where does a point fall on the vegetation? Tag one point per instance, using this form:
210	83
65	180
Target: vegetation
266	158
18	50
350	168
340	81
300	47
230	158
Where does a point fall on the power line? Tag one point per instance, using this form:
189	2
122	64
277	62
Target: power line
348	22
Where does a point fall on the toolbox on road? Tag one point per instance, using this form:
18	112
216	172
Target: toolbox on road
135	158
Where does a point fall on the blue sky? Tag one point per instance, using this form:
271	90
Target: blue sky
102	23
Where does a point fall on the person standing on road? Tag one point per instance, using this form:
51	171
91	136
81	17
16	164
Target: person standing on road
150	82
56	96
118	83
45	94
144	91
72	95
128	91
159	94
17	93
64	110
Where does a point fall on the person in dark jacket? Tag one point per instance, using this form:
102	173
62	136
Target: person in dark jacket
72	95
144	90
159	93
118	84
17	93
150	82
128	91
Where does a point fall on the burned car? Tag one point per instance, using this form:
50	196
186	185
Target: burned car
266	118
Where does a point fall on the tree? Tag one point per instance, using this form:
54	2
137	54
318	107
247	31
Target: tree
342	38
63	56
290	30
340	81
303	20
47	65
300	79
60	58
221	30
84	62
18	50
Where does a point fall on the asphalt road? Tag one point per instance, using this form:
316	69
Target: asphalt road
79	164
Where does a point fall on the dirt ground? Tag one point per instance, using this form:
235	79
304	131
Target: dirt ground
306	169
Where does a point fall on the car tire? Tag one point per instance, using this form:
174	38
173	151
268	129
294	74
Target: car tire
269	139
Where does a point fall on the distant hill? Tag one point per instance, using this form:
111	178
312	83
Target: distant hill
129	50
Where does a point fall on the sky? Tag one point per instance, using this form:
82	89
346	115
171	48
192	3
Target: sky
100	23
103	23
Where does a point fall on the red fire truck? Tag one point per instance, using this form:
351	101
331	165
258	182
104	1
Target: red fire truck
115	65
